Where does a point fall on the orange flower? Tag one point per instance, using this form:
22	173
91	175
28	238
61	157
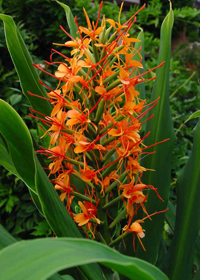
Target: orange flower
89	211
137	229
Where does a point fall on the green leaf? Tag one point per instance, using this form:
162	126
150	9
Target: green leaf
197	276
15	99
5	158
6	238
41	258
67	277
29	79
194	115
19	143
70	20
181	253
160	127
171	215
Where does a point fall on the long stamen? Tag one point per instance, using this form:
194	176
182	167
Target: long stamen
58	62
135	14
156	144
36	66
75	20
98	15
67	33
55	51
138	76
39	96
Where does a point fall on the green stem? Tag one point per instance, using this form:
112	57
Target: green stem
106	142
184	84
68	131
75	162
118	239
106	35
114	75
114	184
95	51
112	37
118	218
77	175
111	86
83	197
112	202
109	168
109	154
120	118
91	130
100	110
103	216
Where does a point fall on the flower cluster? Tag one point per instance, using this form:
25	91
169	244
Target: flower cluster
94	128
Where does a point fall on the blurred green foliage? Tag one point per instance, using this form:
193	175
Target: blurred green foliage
38	22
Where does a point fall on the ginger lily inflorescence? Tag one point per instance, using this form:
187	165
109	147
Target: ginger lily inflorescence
95	130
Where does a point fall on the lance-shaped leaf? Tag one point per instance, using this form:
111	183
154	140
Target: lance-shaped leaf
70	20
7	162
5	158
41	258
160	128
29	79
7	239
20	145
181	253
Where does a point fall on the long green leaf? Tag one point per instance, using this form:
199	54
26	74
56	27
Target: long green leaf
70	20
197	276
29	79
194	115
161	128
39	259
20	145
181	254
5	158
7	239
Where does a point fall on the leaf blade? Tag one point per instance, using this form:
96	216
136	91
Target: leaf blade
70	20
180	256
29	79
161	128
50	255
